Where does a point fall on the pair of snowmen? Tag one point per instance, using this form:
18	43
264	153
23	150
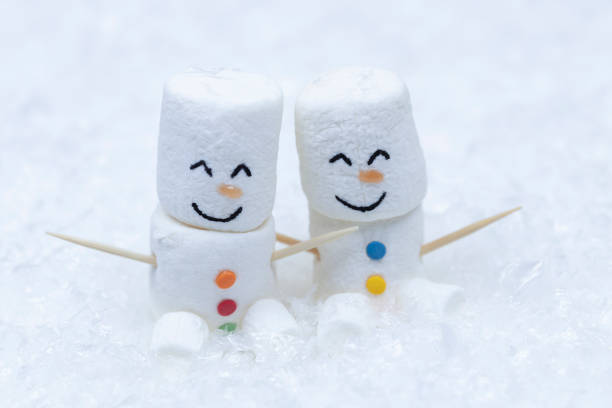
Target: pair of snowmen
213	234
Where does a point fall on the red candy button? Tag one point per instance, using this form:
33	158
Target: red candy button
226	307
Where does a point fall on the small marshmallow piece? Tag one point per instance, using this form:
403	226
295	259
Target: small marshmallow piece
360	157
429	297
344	316
218	143
179	333
269	316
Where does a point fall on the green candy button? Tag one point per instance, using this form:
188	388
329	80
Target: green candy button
228	327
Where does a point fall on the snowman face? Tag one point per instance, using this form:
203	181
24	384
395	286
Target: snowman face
227	190
217	152
365	176
360	156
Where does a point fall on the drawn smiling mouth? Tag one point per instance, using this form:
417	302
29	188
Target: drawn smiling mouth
364	208
215	219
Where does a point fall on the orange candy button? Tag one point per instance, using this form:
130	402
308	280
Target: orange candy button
225	279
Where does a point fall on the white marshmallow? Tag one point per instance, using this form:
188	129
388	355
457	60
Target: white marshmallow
362	164
212	122
343	317
357	112
189	261
269	316
179	333
344	264
429	297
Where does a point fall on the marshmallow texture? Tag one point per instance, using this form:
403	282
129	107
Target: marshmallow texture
360	156
218	144
216	275
373	260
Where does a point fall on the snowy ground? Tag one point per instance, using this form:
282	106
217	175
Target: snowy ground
513	102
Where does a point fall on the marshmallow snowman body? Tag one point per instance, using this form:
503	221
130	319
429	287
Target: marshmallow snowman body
361	164
214	274
372	260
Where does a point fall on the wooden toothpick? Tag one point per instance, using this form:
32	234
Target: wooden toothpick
296	245
150	259
433	245
286	239
312	243
454	236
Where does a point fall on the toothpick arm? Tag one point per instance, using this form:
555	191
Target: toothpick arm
433	245
286	239
312	243
150	259
454	236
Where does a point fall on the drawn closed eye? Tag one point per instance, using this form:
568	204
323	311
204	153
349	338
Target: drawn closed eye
202	163
341	156
240	167
376	154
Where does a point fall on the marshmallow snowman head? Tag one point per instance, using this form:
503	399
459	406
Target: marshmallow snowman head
360	157
218	143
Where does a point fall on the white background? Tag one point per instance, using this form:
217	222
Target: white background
513	104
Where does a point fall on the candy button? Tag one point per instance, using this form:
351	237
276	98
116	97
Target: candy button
376	250
228	327
376	284
225	279
226	307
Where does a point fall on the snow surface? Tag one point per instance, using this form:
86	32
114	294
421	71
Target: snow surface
513	103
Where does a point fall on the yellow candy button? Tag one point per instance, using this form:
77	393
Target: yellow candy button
376	284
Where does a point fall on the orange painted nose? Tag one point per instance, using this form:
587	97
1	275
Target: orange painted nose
229	191
370	176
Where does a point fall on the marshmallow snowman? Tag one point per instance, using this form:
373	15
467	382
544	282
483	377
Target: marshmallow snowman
213	233
362	164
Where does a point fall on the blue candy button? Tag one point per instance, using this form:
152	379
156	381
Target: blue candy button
376	250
